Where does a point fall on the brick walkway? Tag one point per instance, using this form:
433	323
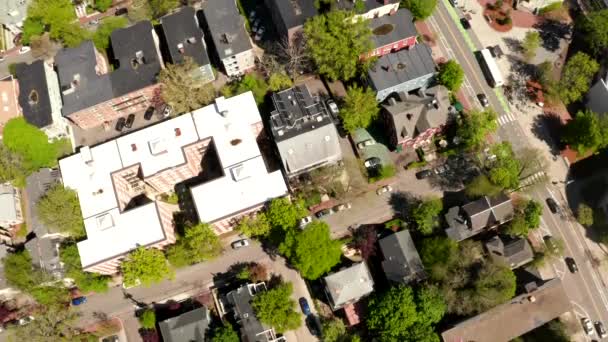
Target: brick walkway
520	18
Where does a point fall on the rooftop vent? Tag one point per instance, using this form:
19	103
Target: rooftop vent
227	38
180	48
280	132
33	98
409	116
319	118
235	142
191	40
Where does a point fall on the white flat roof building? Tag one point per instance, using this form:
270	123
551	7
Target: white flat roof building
108	177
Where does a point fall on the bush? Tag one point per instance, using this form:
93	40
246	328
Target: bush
551	7
12	69
103	5
386	171
148	319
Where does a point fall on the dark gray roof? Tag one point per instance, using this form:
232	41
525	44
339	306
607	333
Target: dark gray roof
182	28
137	57
474	217
402	66
369	4
512	251
415	113
401	263
294	13
33	93
252	329
187	327
348	285
45	254
227	27
401	26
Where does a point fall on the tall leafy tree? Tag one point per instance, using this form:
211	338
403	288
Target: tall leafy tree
475	127
450	75
532	212
55	16
251	82
86	281
12	168
225	333
506	168
360	108
336	41
279	81
517	227
437	254
52	323
162	7
59	209
254	226
586	132
285	214
594	29
530	44
312	251
426	215
199	243
148	319
182	90
20	272
421	9
576	77
101	37
334	330
147	266
276	308
495	284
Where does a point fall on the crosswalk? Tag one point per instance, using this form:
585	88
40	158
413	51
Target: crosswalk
504	119
534	178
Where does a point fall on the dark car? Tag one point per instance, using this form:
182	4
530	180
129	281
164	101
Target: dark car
483	99
552	205
113	338
79	300
323	213
304	306
571	265
120	124
149	112
313	326
465	23
130	120
423	174
121	11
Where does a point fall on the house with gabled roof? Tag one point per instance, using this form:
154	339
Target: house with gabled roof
348	285
513	252
289	16
478	216
392	33
189	326
401	264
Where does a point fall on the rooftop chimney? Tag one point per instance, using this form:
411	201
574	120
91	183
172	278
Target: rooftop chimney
139	56
180	48
191	40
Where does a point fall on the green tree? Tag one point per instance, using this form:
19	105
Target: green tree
20	272
312	251
182	90
586	132
254	226
360	108
421	9
335	43
532	213
576	77
59	210
225	333
426	215
285	214
450	75
50	295
55	16
86	281
250	82
494	285
481	186
148	319
334	330
199	243
584	215
517	227
147	266
530	44
162	7
52	323
279	81
594	30
101	37
506	168
140	10
102	5
12	168
437	254
276	308
475	127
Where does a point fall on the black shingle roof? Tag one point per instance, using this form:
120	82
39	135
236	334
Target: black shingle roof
402	66
295	12
227	27
182	28
33	94
401	24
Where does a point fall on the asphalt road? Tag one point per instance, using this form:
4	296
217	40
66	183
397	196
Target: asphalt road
585	289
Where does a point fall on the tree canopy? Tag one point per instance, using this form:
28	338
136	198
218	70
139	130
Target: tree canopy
147	266
52	323
335	42
437	253
148	319
576	77
182	90
276	308
250	82
584	215
586	132
162	7
55	16
334	330
12	168
199	243
279	81
225	333
102	5
481	186
506	168
101	37
360	108
311	251
594	29
421	9
285	214
59	210
450	74
20	273
475	127
254	226
86	281
426	215
530	44
527	216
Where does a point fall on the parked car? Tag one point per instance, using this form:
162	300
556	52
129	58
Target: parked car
323	213
130	120
483	99
313	327
25	320
149	113
571	264
113	338
240	244
342	207
79	300
465	23
24	49
333	107
372	162
441	169
423	174
587	326
167	111
384	189
364	143
304	306
552	204
601	331
120	124
305	221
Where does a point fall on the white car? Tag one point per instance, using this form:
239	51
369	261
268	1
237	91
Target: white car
364	143
588	326
304	221
240	243
24	49
333	107
342	207
384	189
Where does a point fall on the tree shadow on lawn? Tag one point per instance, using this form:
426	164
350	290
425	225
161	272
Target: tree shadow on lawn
548	127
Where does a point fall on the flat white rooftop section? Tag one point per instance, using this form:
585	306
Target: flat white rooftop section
113	233
229	122
245	185
158	147
88	172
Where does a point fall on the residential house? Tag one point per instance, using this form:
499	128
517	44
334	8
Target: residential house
411	120
226	27
371	8
392	33
402	71
40	99
401	264
190	326
183	38
10	206
238	302
514	252
348	285
9	105
597	97
303	131
119	182
514	318
93	95
477	216
289	16
12	15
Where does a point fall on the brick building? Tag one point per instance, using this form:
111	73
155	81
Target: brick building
392	33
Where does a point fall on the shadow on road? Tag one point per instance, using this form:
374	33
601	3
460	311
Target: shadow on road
548	127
